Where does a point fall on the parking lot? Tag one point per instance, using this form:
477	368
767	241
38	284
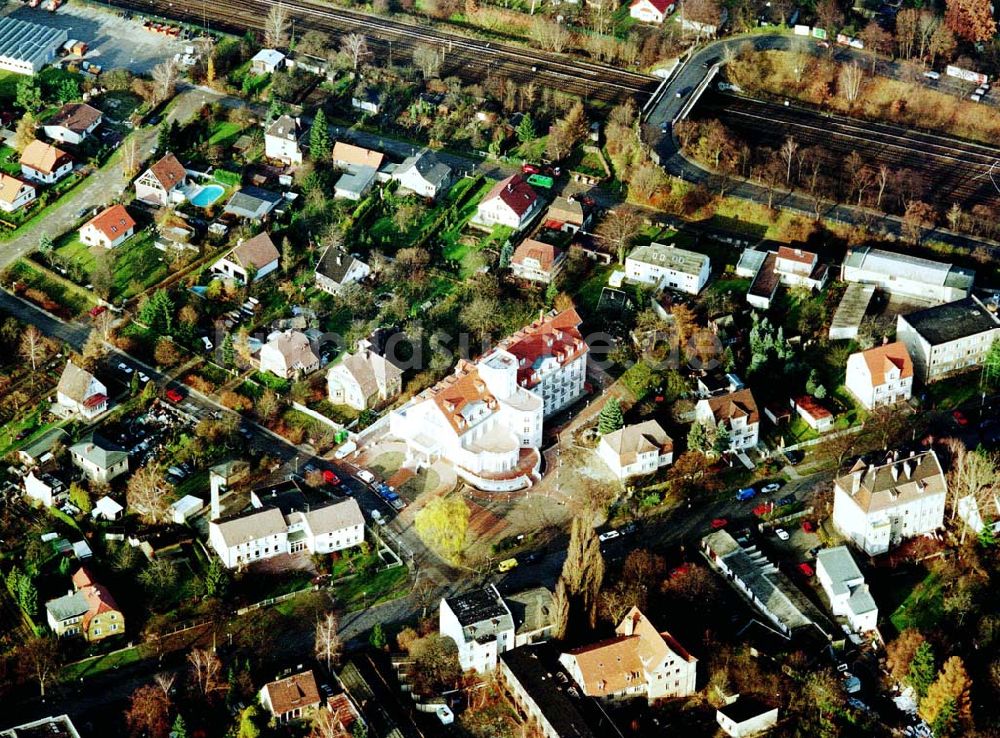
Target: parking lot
114	41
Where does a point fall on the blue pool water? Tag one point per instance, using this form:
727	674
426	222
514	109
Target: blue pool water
207	195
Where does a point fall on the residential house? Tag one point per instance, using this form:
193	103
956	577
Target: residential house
363	379
480	624
15	194
542	690
40	449
253	203
737	413
536	261
185	508
288	354
651	11
110	228
43	162
717	382
767	588
486	418
348	156
293	698
566	215
423	174
880	376
281	140
877	507
789	266
270	530
664	266
355	183
163	183
636	449
948	339
367	100
815	415
267	61
337	269
511	202
89	610
257	256
73	123
745	717
639	660
50	727
845	587
903	275
80	392
45	488
534	615
100	460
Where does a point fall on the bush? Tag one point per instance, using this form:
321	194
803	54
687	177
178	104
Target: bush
227	178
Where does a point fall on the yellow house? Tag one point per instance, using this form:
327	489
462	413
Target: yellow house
89	610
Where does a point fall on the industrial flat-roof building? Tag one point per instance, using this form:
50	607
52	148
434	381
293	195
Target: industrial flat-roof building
27	47
948	339
903	275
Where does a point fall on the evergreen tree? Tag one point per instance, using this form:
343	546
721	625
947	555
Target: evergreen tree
45	244
921	674
526	129
133	387
987	538
179	729
721	440
228	350
216	579
698	438
377	639
819	392
611	418
359	730
163	139
550	293
157	313
506	254
320	145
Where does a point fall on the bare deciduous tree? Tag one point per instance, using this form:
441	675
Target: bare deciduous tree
206	671
851	77
787	152
619	228
38	659
428	59
327	645
276	26
973	475
146	495
33	346
165	681
164	80
355	47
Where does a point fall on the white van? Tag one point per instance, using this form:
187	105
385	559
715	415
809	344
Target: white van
932	75
366	476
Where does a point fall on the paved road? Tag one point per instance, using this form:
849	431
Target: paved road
687	78
97	190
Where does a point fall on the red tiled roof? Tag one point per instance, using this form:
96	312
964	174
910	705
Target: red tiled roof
43	157
113	222
811	407
544	253
168	171
556	335
735	405
297	691
515	192
883	358
793	254
95	400
457	393
660	5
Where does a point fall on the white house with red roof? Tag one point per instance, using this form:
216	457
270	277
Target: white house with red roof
881	375
109	228
651	11
486	418
512	202
815	415
537	261
14	193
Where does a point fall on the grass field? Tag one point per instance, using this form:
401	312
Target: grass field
224	133
923	607
9	161
136	263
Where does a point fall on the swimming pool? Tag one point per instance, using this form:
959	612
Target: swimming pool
207	195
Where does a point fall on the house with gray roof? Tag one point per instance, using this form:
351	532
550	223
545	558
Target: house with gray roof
423	174
38	449
355	183
903	275
480	624
845	587
337	269
665	266
99	459
79	392
281	140
948	339
257	255
267	531
533	613
253	203
363	380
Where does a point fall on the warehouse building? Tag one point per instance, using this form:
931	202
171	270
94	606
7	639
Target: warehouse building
27	47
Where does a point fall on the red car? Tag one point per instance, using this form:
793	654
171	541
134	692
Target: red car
808	527
330	478
762	509
680	570
960	418
806	569
174	396
96	310
719	523
530	169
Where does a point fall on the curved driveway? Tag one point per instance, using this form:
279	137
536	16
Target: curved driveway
687	78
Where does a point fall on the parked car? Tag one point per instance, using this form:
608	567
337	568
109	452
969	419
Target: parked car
96	310
208	343
365	476
771	487
960	418
806	569
930	74
530	169
786	500
330	478
122	366
747	493
782	534
808	527
377	517
173	395
506	565
719	523
608	535
795	457
762	509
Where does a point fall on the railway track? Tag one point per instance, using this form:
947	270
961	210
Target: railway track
954	170
468	58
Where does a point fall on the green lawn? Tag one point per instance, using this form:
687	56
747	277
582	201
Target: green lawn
75	299
8	85
119	104
361	591
99	664
137	263
224	133
923	607
10	161
588	294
